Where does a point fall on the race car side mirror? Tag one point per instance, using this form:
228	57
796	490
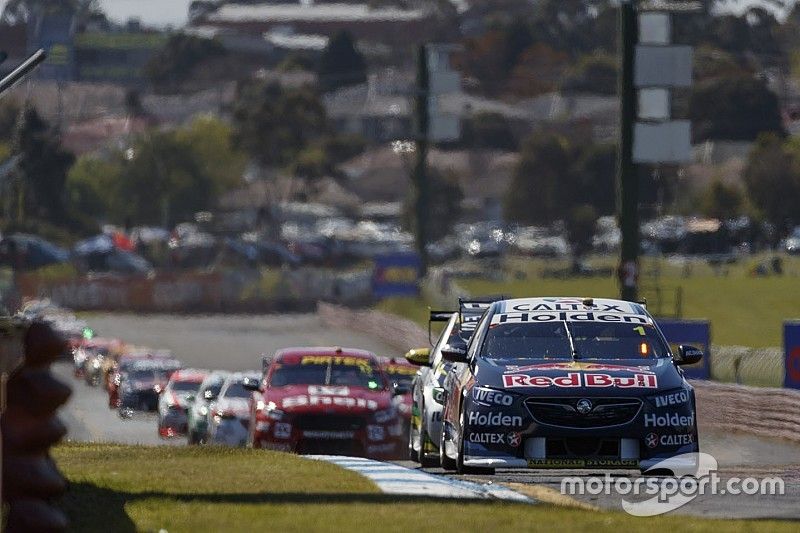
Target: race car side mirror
688	355
419	356
253	385
455	353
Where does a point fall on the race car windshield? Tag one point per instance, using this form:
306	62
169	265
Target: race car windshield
322	373
592	340
185	386
400	378
236	390
142	375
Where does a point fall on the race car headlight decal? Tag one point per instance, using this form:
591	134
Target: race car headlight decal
203	410
273	412
438	395
672	399
381	417
260	405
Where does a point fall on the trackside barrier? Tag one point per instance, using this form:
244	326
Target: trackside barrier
690	332
760	411
791	345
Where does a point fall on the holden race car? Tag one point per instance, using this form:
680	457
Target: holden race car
333	401
229	419
567	383
200	407
141	384
428	386
174	401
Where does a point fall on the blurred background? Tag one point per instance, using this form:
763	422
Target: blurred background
223	156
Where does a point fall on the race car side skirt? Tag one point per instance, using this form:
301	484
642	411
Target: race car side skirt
495	462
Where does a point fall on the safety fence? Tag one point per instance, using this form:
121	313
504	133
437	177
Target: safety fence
764	412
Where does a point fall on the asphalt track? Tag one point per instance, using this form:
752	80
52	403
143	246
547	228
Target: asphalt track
237	342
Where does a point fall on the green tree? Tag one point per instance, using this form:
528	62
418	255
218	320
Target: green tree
341	64
722	201
772	180
735	108
596	73
580	222
488	130
595	175
541	181
42	169
211	143
444	206
180	60
273	125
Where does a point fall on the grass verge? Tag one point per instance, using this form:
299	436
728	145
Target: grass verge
134	488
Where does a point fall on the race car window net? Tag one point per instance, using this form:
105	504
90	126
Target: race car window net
362	375
592	340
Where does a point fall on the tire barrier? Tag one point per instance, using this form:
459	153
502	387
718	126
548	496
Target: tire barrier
29	428
763	412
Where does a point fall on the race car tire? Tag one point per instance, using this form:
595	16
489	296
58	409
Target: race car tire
444	460
424	460
461	468
191	438
413	455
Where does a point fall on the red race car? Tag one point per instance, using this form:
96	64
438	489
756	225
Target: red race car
175	399
335	401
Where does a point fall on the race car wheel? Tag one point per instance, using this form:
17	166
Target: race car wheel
424	460
191	438
460	467
444	460
413	455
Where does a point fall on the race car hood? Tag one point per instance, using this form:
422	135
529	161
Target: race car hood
300	399
629	377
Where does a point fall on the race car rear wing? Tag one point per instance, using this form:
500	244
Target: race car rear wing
437	316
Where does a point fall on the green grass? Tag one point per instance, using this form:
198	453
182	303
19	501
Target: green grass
414	309
130	488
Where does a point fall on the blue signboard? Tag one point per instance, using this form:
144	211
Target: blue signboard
791	345
695	333
396	275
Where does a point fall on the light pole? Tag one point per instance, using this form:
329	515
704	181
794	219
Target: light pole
627	179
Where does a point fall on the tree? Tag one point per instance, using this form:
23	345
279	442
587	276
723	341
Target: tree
595	175
772	179
179	60
596	73
539	69
341	64
734	108
722	201
41	171
488	130
580	222
444	206
273	125
541	182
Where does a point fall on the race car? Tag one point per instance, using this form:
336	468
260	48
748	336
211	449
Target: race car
174	401
229	419
89	356
115	367
333	401
401	375
567	383
425	426
200	407
142	382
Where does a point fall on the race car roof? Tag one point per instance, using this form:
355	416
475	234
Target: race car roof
545	304
189	374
